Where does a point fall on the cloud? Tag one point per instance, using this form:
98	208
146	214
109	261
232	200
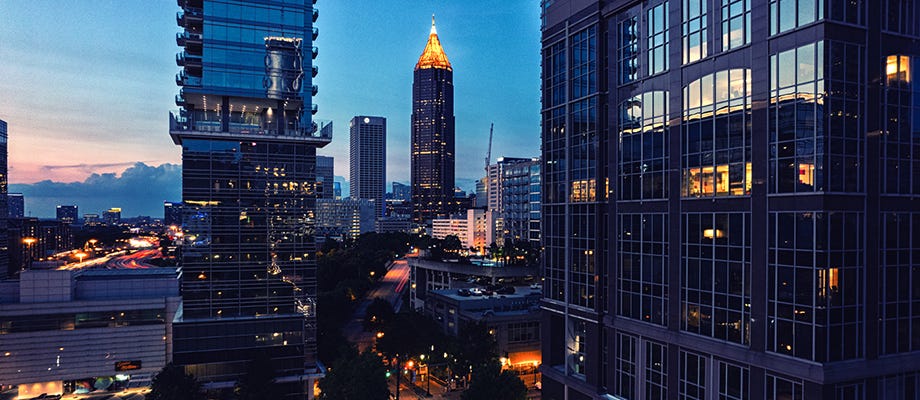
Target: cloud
138	190
90	167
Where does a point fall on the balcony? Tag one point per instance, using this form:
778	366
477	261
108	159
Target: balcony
182	126
315	52
189	16
315	33
314	109
188	60
315	15
180	99
187	38
315	90
183	79
315	70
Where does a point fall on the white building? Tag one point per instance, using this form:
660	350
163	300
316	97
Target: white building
62	330
475	230
344	218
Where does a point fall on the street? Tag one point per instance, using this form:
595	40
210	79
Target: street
388	288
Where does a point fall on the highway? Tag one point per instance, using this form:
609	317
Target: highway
388	288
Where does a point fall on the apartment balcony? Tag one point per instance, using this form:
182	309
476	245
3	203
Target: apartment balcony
189	16
315	15
184	79
314	109
182	126
315	90
315	52
185	38
184	59
315	70
180	99
315	33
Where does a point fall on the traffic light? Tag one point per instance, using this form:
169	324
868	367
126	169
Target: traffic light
389	374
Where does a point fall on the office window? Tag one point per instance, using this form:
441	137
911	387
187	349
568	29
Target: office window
643	147
736	23
717	132
779	388
734	383
629	49
626	366
692	376
694	30
790	14
850	391
900	16
848	11
715	277
583	55
815	276
900	147
554	69
657	38
656	371
899	308
642	281
578	332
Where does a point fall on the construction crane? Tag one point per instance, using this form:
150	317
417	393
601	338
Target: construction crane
489	152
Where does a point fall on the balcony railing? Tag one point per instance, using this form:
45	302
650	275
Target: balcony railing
315	71
186	37
315	14
315	33
185	59
180	123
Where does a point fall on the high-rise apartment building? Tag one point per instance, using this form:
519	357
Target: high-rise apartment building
248	187
325	175
401	192
172	213
112	216
67	214
16	205
368	160
730	199
521	202
432	152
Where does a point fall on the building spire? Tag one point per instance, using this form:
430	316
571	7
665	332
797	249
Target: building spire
433	56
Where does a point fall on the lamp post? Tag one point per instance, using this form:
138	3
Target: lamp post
29	241
427	374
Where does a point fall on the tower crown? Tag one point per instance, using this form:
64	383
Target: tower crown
433	56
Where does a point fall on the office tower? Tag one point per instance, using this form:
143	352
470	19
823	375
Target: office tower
112	216
325	175
495	189
732	182
16	204
482	192
432	161
520	194
4	203
337	190
248	179
172	213
344	218
67	214
368	160
401	192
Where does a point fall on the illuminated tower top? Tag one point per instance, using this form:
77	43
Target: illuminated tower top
433	56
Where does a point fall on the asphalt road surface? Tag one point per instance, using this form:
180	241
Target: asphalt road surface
389	289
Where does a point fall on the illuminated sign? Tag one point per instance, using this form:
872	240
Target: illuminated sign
121	366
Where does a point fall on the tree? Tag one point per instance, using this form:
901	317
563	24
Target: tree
172	383
356	377
490	382
378	313
452	244
473	347
258	383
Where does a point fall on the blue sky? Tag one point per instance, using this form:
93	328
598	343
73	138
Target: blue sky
86	85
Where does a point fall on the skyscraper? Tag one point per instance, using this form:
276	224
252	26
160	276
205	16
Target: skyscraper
16	204
4	204
728	196
67	214
401	192
432	152
368	160
248	187
325	174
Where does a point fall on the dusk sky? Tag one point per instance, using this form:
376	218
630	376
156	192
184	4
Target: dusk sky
86	86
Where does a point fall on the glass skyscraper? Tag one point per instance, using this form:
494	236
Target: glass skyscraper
432	153
249	188
368	160
730	199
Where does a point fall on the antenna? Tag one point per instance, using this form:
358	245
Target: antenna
489	153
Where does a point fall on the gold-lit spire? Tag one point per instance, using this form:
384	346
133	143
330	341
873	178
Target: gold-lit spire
433	56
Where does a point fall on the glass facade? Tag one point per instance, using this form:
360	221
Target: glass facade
249	188
695	39
643	148
642	282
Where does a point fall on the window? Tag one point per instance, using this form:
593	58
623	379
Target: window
899	316
717	132
779	388
626	366
692	376
583	52
694	30
736	23
848	11
578	332
790	14
715	288
900	147
658	38
656	371
643	147
642	278
901	17
734	383
629	49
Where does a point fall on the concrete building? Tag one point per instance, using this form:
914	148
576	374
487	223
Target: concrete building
521	202
33	240
368	160
729	198
112	216
17	205
429	275
393	224
68	214
401	192
92	219
64	331
346	218
474	229
172	213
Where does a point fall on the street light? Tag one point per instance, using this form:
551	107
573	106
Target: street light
29	241
81	255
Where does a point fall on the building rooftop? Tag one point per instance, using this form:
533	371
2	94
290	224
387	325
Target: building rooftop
433	56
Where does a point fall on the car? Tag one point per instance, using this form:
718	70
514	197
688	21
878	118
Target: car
506	290
476	291
464	292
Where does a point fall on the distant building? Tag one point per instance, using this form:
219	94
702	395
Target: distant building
346	218
458	192
112	216
90	220
426	276
521	202
368	160
32	239
325	176
4	202
474	228
399	209
482	193
17	205
63	328
401	191
432	135
337	190
393	225
67	214
172	213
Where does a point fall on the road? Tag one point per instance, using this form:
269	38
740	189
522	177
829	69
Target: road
388	288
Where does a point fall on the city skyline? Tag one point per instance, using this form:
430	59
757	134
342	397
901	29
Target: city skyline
134	82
